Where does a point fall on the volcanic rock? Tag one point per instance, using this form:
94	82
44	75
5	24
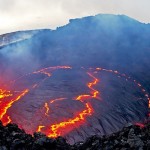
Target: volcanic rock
132	137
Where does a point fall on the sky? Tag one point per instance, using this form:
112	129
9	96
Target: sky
16	15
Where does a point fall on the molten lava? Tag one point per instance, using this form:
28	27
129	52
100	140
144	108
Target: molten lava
57	99
6	120
55	128
95	93
47	70
47	109
5	105
8	98
90	85
5	93
39	128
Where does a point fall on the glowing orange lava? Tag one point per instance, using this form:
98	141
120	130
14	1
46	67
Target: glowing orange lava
43	71
47	109
6	120
55	128
39	128
57	99
5	93
129	78
95	93
46	70
83	97
7	98
90	85
5	105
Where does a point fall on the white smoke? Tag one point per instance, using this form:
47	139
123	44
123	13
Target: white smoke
33	14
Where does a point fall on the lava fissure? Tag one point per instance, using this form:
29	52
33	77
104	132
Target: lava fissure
5	105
